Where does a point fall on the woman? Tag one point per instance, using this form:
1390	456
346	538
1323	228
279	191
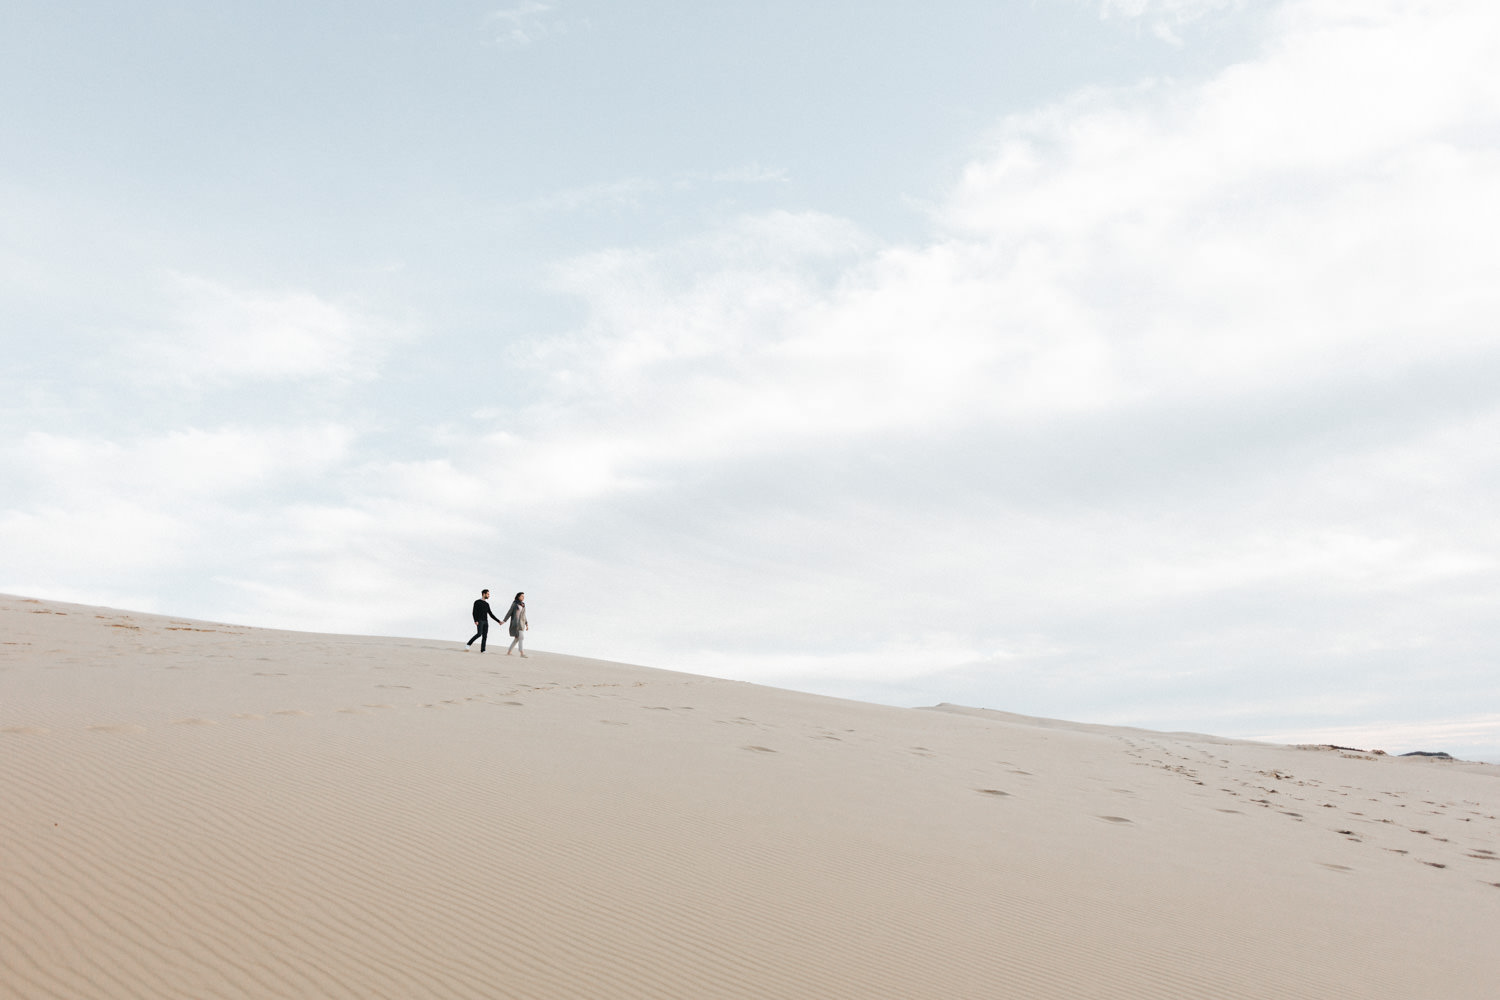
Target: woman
517	618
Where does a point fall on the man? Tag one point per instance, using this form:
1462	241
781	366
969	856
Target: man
482	616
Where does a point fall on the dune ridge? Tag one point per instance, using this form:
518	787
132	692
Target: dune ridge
203	810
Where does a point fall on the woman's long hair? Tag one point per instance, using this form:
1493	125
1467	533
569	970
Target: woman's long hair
517	598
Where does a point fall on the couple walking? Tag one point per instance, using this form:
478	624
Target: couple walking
516	616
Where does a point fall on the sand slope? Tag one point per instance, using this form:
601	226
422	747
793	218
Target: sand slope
194	810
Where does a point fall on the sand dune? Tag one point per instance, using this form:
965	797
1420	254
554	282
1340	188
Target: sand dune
196	810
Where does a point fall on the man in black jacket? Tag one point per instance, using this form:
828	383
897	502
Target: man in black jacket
482	616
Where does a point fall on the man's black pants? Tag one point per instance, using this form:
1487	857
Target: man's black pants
483	635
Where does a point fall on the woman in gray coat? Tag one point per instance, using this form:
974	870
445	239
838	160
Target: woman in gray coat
517	618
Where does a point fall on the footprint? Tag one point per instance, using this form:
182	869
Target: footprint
24	730
992	791
1116	819
290	711
246	715
761	749
1335	868
124	728
194	722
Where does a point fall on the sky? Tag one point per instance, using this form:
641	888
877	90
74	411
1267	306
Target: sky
1124	361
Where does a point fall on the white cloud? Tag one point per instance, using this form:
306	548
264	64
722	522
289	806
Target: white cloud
220	333
126	512
751	173
1166	17
1180	10
1294	213
631	192
530	22
182	464
625	191
98	546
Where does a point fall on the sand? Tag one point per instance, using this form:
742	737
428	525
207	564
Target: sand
196	810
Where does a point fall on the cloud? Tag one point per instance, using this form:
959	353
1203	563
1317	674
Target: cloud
1298	211
530	22
128	514
751	173
625	191
632	191
1167	17
182	464
221	334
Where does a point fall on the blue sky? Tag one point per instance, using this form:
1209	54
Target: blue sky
1128	361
